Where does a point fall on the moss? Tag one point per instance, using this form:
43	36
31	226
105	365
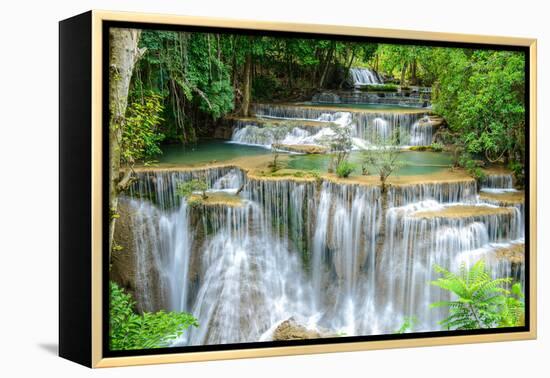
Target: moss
419	148
434	147
391	88
288	173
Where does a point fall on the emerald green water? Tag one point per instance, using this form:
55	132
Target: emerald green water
207	151
215	150
412	162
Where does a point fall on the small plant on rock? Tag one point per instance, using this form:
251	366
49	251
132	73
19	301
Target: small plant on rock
187	188
344	169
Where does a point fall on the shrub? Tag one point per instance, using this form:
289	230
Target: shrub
384	160
436	147
480	301
129	330
473	167
344	169
380	88
418	148
185	189
518	171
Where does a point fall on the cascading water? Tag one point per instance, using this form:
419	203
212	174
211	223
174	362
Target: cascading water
343	256
249	279
162	244
364	76
314	251
161	186
497	183
442	192
366	128
415	243
411	129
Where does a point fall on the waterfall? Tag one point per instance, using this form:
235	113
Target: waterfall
367	127
343	261
266	137
413	129
494	182
364	76
162	242
160	186
249	280
292	112
372	97
415	244
289	206
309	250
443	192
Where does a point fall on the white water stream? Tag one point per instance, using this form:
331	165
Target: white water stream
308	251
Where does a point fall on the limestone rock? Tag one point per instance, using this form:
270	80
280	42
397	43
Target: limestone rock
290	329
302	148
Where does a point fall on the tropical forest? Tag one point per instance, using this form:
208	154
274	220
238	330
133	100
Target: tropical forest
280	187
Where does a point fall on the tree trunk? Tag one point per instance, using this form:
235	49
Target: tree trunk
123	55
245	110
234	43
327	65
414	79
289	71
381	236
403	72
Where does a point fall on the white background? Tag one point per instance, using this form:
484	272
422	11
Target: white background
29	189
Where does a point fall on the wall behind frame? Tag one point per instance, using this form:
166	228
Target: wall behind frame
29	267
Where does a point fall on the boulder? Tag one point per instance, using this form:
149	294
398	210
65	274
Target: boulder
290	329
437	121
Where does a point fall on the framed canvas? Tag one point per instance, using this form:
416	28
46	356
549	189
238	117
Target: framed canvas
234	189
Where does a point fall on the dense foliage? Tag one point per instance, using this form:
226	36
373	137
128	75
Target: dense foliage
197	78
480	93
150	330
202	77
482	98
478	300
141	138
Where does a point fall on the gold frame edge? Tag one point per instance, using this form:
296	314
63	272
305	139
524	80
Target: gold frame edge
98	16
